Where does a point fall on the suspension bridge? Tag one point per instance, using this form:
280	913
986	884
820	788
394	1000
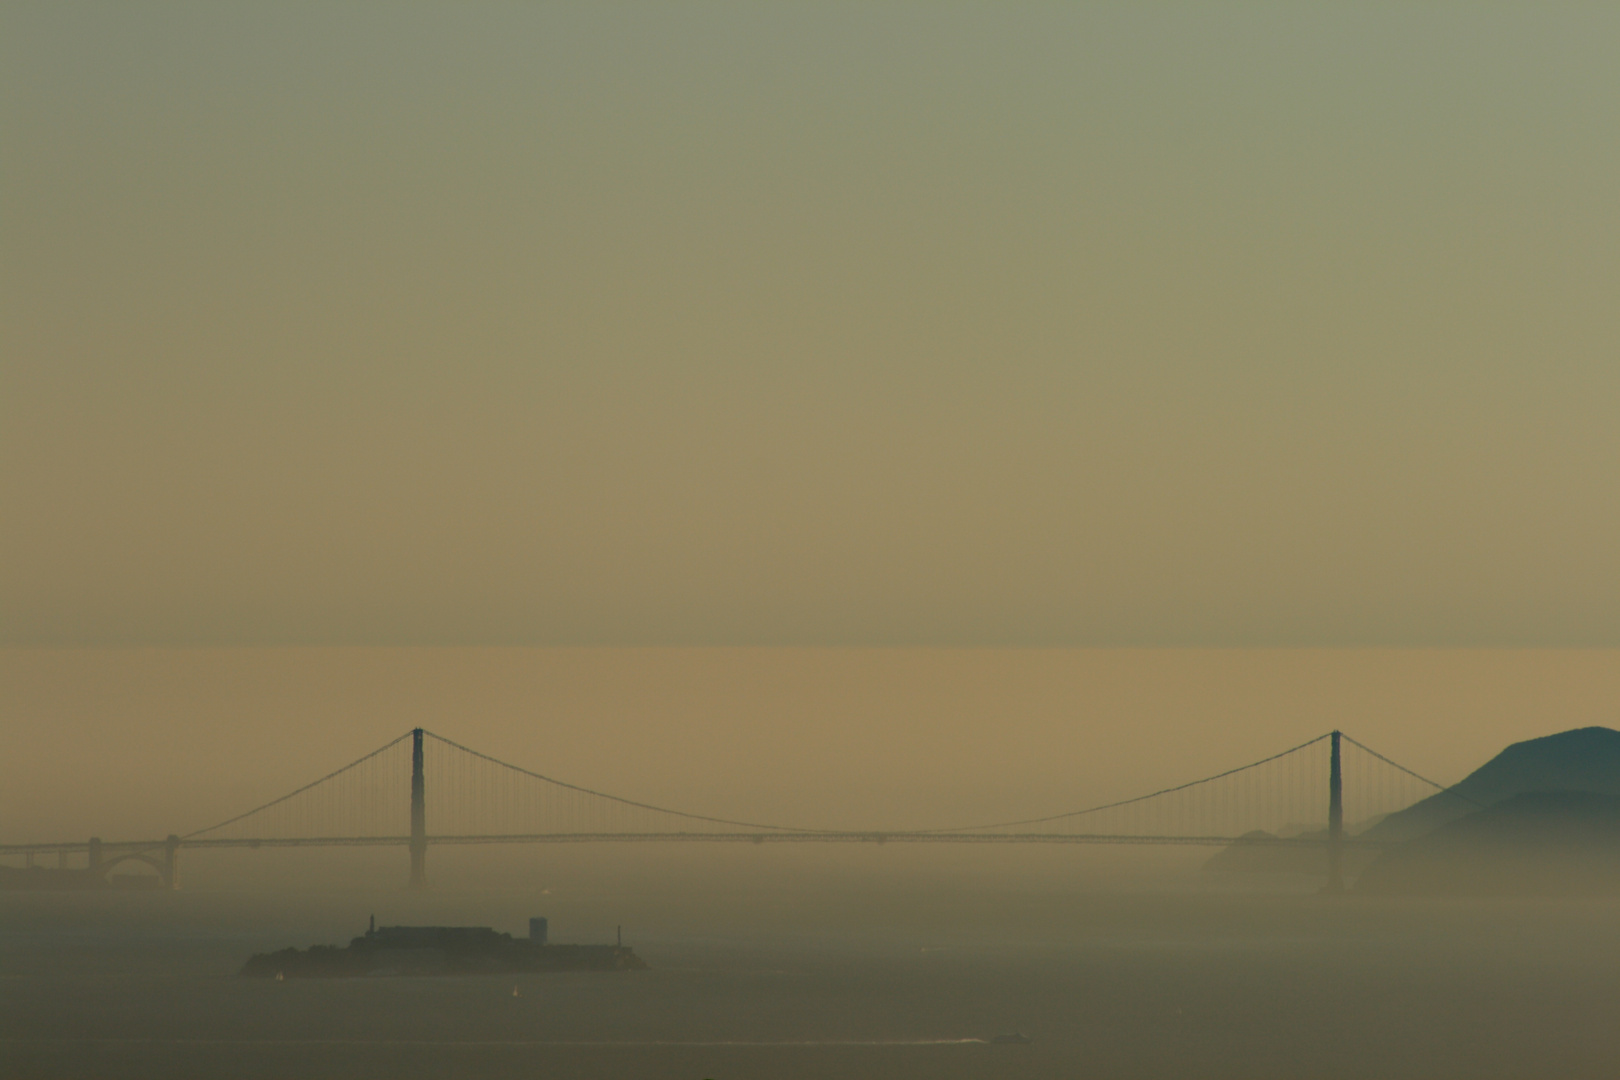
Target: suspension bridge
1321	793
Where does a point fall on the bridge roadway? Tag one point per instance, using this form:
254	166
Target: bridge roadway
125	847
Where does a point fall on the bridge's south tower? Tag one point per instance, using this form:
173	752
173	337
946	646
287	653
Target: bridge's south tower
1335	844
418	814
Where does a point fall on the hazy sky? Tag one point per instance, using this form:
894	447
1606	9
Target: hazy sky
847	324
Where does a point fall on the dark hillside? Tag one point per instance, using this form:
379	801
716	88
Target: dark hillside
1585	759
1542	843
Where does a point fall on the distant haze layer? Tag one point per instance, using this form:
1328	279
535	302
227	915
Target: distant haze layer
721	323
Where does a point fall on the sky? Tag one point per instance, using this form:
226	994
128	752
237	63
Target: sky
938	324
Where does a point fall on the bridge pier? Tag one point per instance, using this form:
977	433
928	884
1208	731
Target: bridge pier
95	856
171	862
418	814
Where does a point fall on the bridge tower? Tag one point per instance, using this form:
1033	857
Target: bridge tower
1335	844
419	814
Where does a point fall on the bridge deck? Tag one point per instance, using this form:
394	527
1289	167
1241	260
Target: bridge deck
830	837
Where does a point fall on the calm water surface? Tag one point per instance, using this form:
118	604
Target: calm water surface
813	984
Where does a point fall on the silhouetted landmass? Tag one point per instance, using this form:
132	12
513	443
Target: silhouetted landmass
1585	759
1534	844
60	879
1582	760
438	950
1261	852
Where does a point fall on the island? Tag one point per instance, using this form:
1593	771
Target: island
441	950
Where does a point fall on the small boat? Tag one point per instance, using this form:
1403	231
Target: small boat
1016	1038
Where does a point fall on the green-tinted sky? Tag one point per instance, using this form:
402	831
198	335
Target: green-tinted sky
707	323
